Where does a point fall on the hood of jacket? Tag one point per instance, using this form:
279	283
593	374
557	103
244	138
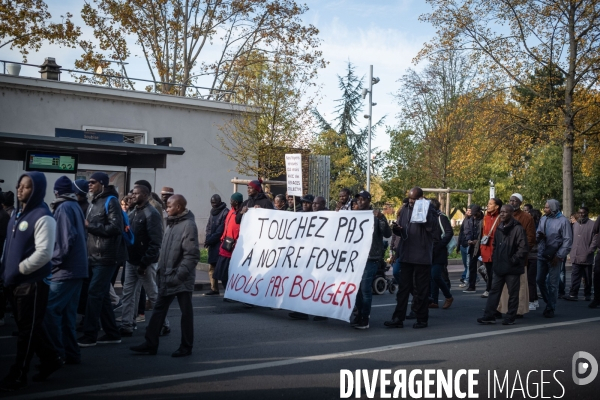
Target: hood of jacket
216	210
554	208
62	198
38	180
186	215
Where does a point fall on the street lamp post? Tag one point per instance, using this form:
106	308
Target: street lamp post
372	81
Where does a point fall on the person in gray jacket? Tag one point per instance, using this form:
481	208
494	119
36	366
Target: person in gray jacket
582	255
554	238
176	275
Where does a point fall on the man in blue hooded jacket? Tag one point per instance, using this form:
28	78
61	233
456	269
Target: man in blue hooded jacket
25	264
69	268
554	238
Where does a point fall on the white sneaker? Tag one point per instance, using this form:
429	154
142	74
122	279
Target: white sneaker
485	294
536	304
532	307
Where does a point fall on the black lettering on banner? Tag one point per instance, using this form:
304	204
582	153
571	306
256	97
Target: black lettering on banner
350	231
263	258
362	232
288	229
334	254
297	257
288	256
311	255
341	223
319	230
353	256
261	225
341	260
326	257
249	258
268	263
276	228
279	256
300	226
282	228
311	225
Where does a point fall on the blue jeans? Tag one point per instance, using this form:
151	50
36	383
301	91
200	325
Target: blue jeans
98	305
438	283
548	277
61	315
465	259
396	270
364	298
561	281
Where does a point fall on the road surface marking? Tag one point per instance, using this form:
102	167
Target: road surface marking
291	361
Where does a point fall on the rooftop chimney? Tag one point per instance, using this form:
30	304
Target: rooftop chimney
50	69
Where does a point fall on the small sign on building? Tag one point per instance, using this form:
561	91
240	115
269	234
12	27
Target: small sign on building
293	168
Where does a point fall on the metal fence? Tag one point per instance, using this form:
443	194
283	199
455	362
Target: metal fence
319	168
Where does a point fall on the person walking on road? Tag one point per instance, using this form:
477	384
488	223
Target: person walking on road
554	238
582	255
214	231
106	252
231	233
510	250
473	236
179	256
596	273
442	236
490	223
140	270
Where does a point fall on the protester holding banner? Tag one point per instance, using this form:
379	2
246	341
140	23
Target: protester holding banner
213	233
231	232
414	251
345	200
307	202
280	202
256	199
319	204
365	293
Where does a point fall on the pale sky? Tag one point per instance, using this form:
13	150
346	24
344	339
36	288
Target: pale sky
385	33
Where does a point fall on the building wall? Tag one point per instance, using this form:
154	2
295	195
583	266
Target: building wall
41	106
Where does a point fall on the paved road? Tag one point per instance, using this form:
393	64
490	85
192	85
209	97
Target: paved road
258	353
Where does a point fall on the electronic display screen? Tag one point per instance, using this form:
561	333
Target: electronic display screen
51	162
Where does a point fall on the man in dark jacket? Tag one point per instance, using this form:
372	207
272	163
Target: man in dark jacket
26	262
214	231
473	239
176	276
4	218
463	245
381	230
442	235
256	199
307	203
582	255
106	252
140	270
596	301
510	255
69	269
415	250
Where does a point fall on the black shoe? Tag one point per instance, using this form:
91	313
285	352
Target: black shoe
12	384
125	332
317	318
411	315
462	280
355	322
569	298
165	331
394	323
144	348
486	321
298	315
508	321
105	339
519	316
549	313
211	293
588	298
363	324
181	353
594	304
226	300
498	315
419	325
47	369
470	290
85	341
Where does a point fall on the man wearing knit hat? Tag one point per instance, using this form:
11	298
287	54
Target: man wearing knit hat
106	252
256	199
81	189
69	268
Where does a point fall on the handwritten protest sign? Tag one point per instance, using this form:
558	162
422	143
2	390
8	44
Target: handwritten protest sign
293	170
307	262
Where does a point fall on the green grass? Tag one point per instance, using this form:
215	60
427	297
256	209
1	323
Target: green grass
204	256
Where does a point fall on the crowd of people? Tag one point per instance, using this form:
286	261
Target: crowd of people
63	259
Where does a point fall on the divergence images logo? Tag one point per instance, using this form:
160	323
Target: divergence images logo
581	367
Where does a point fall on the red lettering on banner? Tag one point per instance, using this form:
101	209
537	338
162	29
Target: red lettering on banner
328	293
282	289
338	291
237	289
318	293
256	288
347	293
311	292
297	281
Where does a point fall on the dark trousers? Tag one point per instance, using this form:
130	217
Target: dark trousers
513	284
438	283
29	302
98	307
473	261
414	279
581	271
489	268
159	315
85	286
596	277
562	285
532	279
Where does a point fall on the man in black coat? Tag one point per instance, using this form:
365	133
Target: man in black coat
510	255
214	231
256	199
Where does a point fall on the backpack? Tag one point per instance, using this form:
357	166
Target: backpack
127	233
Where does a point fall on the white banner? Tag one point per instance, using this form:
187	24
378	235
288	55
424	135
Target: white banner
293	169
306	262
